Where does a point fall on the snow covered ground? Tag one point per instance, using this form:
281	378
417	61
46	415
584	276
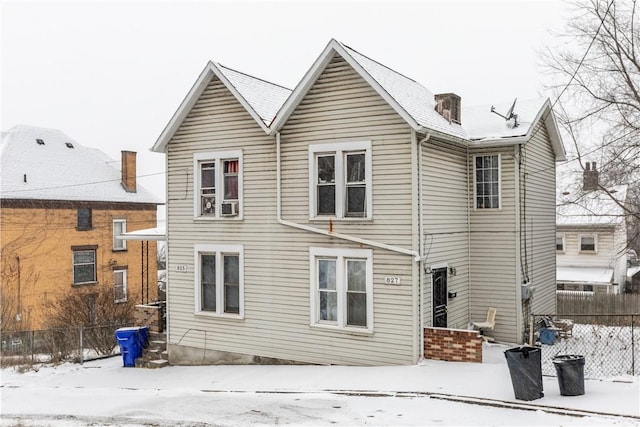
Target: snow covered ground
103	393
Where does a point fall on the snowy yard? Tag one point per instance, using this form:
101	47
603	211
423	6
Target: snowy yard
608	351
103	393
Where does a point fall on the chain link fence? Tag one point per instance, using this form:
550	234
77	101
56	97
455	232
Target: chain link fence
610	344
77	344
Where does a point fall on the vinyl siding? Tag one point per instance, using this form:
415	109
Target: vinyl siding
340	107
538	214
494	252
445	218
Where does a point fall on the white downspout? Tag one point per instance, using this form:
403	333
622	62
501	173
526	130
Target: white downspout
421	245
329	233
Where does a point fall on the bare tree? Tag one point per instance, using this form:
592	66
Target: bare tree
596	78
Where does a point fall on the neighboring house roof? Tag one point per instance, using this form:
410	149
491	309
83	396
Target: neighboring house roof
632	271
150	234
585	275
260	98
60	169
593	208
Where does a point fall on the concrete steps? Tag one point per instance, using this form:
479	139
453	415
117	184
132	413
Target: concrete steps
155	354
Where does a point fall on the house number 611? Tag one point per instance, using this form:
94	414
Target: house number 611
391	280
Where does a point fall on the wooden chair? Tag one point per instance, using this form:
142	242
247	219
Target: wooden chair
490	323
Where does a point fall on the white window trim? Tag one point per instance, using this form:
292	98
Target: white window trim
124	230
564	243
475	187
124	284
73	266
219	251
217	157
339	149
595	243
340	255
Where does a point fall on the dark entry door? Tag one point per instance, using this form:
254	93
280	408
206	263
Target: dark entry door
439	276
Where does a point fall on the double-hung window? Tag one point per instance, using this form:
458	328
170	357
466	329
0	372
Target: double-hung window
84	265
340	180
487	181
119	228
218	184
560	244
120	285
219	280
588	243
341	288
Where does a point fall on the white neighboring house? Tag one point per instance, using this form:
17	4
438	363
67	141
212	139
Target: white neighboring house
591	237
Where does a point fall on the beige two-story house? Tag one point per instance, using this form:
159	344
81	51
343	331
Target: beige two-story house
331	224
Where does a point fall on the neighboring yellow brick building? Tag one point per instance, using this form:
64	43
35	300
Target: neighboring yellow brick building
62	206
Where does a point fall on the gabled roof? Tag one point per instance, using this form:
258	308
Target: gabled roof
58	168
416	105
485	128
260	98
412	101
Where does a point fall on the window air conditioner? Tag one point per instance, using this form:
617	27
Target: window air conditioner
229	209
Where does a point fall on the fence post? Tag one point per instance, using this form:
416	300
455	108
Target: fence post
80	330
633	348
32	345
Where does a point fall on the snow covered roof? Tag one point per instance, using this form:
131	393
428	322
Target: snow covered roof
588	275
152	234
416	104
260	98
271	105
45	164
632	271
592	208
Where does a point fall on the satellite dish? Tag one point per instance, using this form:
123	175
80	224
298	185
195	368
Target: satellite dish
510	114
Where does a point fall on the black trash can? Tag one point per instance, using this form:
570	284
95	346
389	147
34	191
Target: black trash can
525	368
570	370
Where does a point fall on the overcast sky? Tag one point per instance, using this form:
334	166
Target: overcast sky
111	74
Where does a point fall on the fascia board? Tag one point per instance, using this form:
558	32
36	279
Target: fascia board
185	106
303	87
554	133
241	99
210	70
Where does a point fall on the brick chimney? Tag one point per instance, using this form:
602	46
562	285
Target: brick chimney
590	177
448	106
128	169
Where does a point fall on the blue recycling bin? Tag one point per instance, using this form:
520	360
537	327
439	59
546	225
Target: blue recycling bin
132	341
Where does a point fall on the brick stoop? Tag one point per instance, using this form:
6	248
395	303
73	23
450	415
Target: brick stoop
155	354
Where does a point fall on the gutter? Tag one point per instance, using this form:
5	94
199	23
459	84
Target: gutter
330	233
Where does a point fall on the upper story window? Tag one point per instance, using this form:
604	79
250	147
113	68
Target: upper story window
487	181
84	265
588	243
560	243
341	288
84	219
340	180
119	228
219	280
120	285
218	184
